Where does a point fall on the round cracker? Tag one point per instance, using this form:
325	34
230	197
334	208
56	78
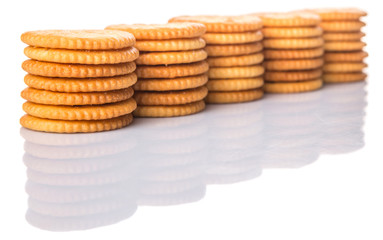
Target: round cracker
171	84
293	43
171	97
343	36
236	72
292	76
162	31
223	24
342	67
160	58
292	19
79	39
82	56
170	45
357	56
234	61
344	77
333	14
344	46
236	84
232	38
302	32
71	99
94	112
342	26
64	126
172	71
233	49
234	96
48	69
296	64
293	87
80	84
169	111
293	54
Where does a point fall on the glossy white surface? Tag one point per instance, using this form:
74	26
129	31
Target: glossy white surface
302	166
84	181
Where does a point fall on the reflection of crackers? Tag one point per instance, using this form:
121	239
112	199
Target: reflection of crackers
68	194
98	206
79	223
115	175
76	152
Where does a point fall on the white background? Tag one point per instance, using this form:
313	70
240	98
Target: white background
336	197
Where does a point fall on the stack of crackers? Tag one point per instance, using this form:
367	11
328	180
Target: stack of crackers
172	68
343	45
79	80
234	48
293	52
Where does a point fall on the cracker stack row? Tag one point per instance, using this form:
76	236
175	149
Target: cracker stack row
344	53
234	48
79	81
171	69
293	50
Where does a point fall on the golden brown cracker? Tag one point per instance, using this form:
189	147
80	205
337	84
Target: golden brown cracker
178	57
344	46
344	77
170	84
82	56
80	84
223	24
172	71
170	97
233	49
293	87
162	31
236	84
233	61
296	64
93	112
343	36
342	26
234	96
169	111
333	14
232	38
341	67
293	32
83	126
236	72
293	54
357	56
87	98
79	39
297	19
170	45
48	69
293	43
292	76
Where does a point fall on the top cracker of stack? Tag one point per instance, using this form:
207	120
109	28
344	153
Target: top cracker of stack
344	53
171	68
234	48
293	52
79	80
